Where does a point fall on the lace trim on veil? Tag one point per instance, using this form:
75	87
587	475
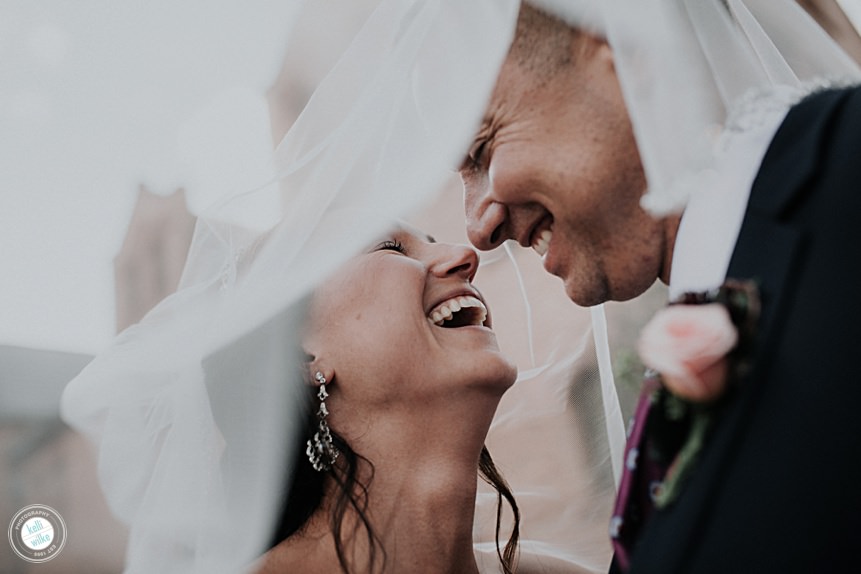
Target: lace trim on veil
758	111
761	107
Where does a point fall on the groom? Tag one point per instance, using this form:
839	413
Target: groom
556	167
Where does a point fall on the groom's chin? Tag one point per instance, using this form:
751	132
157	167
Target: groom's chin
602	287
585	294
587	302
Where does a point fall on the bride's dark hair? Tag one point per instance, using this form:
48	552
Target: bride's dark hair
307	489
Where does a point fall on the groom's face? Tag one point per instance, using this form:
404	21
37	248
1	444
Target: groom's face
555	167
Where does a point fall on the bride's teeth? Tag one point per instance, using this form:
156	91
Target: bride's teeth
469	301
542	242
444	311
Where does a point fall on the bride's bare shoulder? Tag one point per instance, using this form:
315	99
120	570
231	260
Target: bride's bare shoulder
300	553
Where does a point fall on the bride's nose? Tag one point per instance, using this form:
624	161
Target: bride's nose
454	260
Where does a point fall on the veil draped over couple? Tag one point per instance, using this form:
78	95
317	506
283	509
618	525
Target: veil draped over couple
325	392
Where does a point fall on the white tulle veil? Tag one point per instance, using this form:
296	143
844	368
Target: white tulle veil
192	410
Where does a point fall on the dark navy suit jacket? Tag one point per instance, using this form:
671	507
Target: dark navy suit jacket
778	487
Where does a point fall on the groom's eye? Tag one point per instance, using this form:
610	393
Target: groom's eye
474	156
477	153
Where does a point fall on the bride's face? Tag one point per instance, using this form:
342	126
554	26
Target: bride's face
403	320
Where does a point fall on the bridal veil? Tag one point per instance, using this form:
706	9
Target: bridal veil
192	409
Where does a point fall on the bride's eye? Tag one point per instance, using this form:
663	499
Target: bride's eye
390	245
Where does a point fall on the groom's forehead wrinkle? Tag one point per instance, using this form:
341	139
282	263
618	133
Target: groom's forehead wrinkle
487	123
484	126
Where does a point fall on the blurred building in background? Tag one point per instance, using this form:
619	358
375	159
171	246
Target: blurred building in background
41	459
43	462
148	267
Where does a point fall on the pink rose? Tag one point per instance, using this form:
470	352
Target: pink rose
688	346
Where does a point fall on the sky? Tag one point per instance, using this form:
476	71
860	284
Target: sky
100	97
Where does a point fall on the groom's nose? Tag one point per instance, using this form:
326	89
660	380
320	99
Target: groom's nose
485	218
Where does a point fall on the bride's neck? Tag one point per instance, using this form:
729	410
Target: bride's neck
421	500
420	504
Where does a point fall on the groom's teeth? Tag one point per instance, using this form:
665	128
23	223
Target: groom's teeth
542	242
446	310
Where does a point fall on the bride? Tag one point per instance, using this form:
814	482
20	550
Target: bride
403	376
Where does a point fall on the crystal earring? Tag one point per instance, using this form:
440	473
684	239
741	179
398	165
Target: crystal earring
321	450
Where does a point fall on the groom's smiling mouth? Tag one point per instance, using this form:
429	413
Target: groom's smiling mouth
541	235
460	311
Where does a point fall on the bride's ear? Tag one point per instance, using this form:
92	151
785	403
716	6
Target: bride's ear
318	371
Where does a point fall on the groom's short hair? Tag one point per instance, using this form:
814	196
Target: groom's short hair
542	43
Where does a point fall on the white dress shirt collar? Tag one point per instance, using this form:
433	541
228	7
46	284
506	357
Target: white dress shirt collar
712	218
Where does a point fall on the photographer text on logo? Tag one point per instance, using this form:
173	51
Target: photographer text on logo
37	533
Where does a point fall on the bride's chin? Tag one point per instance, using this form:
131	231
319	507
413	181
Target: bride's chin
508	371
499	374
512	376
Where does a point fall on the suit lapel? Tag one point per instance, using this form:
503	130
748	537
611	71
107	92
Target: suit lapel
765	251
794	154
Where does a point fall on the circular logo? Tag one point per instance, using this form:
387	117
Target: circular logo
37	533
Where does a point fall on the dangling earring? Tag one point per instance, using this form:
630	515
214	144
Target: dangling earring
322	452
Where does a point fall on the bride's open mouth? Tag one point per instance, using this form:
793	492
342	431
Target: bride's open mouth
460	311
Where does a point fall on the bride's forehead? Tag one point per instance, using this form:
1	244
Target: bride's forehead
404	231
365	222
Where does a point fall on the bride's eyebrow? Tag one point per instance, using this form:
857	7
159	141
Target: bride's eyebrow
408	231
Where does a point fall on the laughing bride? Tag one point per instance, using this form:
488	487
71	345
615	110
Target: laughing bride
403	378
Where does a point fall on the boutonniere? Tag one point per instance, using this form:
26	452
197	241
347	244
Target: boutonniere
698	348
